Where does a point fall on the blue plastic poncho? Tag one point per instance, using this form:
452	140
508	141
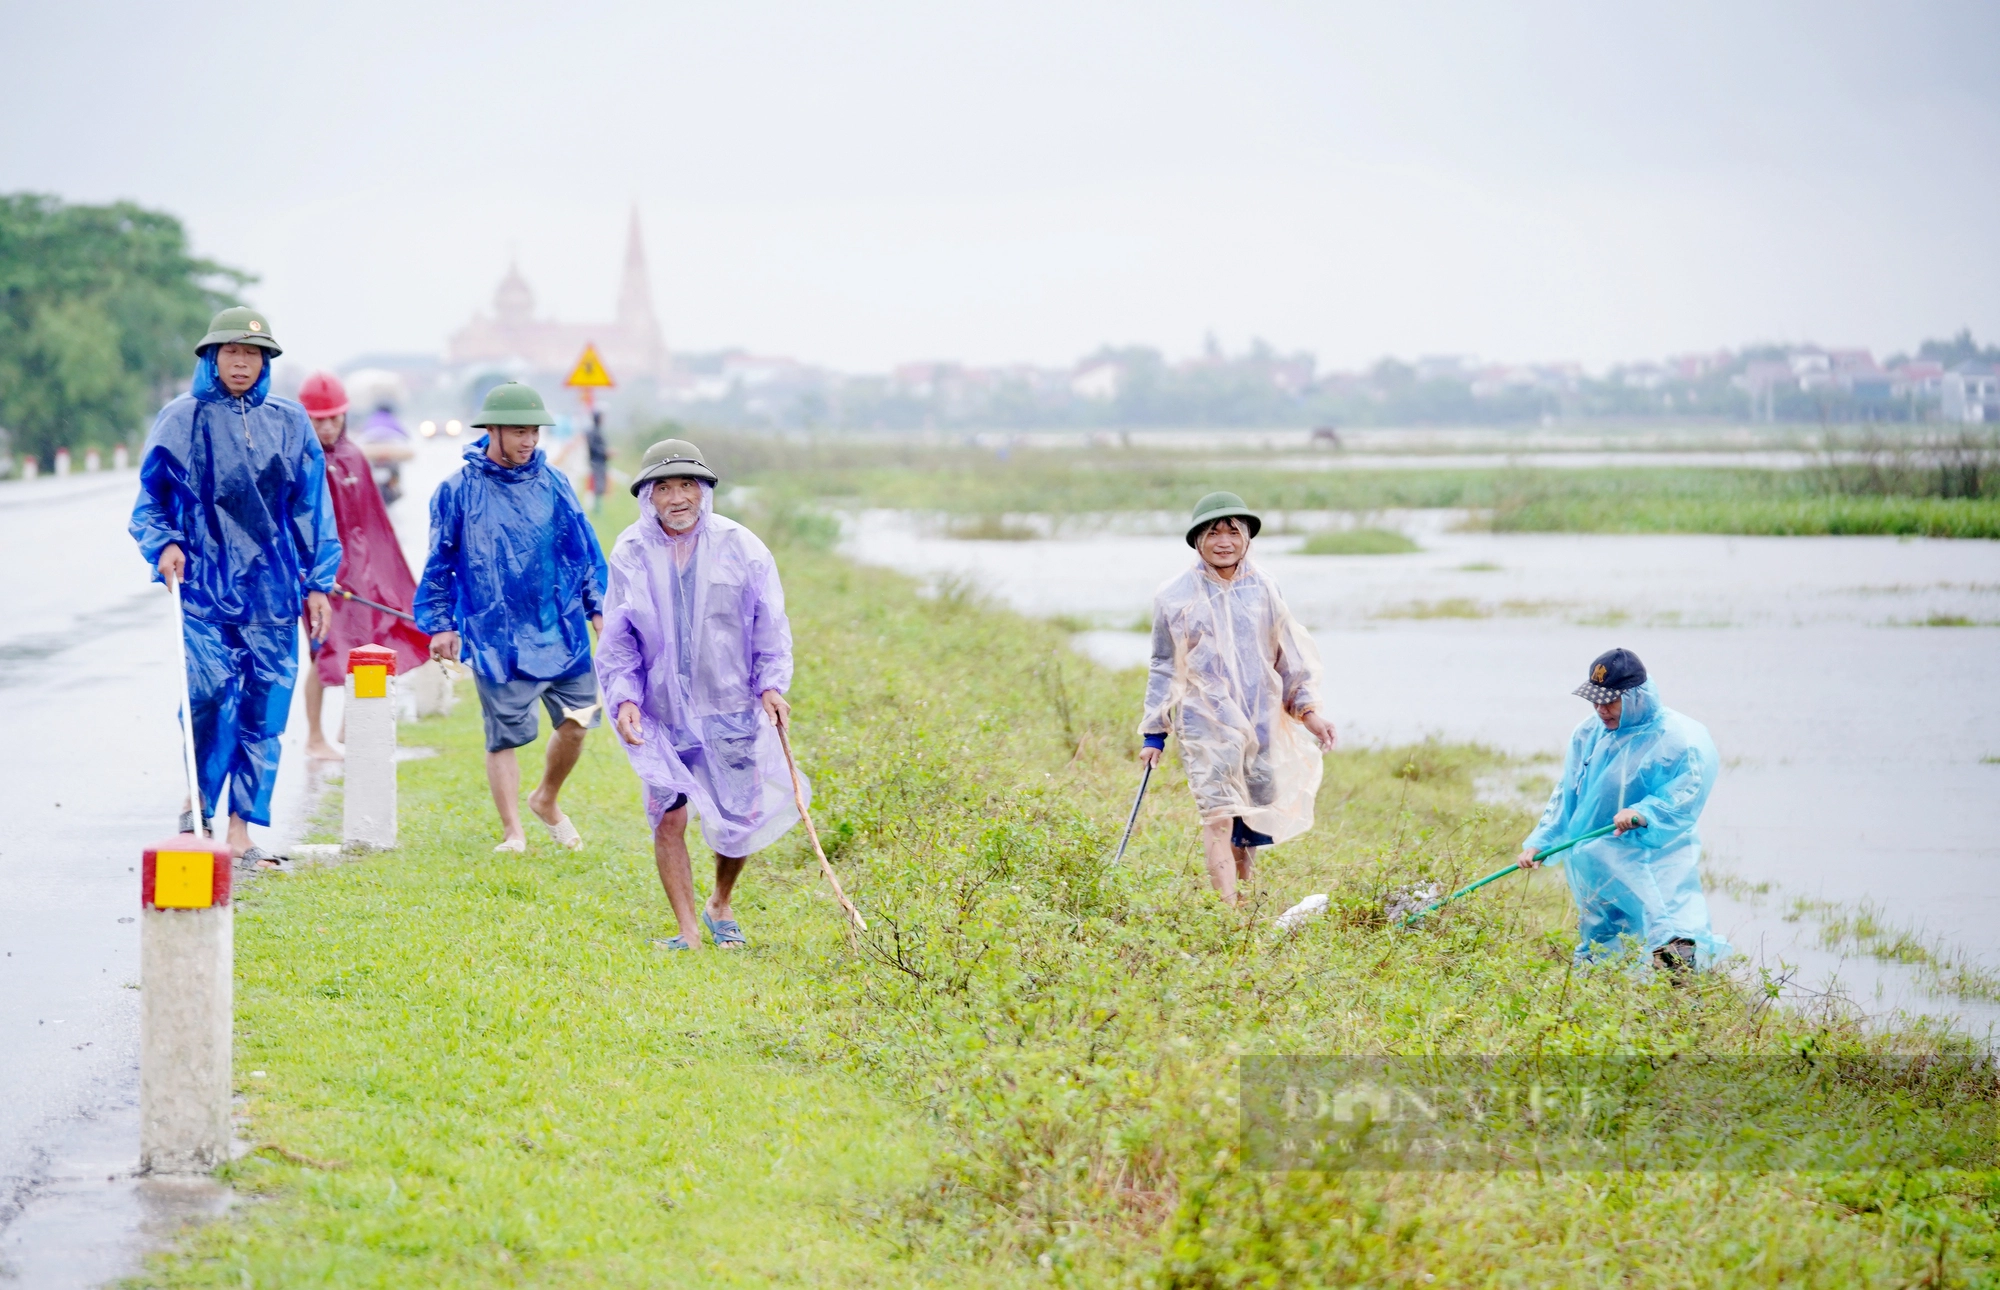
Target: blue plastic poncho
1644	885
514	569
240	486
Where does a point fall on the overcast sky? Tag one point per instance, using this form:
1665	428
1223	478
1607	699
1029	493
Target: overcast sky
863	184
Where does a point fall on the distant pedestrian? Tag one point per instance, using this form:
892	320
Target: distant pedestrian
233	505
514	582
1237	679
372	564
600	460
1639	765
695	660
386	443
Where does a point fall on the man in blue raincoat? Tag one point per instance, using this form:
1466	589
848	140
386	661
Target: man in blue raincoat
233	506
514	582
1647	770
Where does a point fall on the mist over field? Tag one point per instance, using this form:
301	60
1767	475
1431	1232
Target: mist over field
868	185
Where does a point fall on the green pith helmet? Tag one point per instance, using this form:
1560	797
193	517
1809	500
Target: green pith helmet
240	326
1220	506
513	404
670	459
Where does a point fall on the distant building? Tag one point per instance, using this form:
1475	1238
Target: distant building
1970	393
1099	382
1920	378
631	344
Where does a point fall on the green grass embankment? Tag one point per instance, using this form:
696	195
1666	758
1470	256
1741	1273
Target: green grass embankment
479	1073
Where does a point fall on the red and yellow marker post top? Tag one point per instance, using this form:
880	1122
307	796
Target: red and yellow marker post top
185	873
371	666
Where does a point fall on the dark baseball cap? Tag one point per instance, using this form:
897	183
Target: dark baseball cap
1611	674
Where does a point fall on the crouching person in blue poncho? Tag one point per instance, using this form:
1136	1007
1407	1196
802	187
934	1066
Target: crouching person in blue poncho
1647	770
233	506
514	583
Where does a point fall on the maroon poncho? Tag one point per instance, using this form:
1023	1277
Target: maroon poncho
371	565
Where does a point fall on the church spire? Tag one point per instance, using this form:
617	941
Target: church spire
635	300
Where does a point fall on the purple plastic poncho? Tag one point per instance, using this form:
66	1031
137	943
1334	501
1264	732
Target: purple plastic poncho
694	633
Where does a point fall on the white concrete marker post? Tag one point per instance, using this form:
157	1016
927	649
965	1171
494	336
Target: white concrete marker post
368	812
187	954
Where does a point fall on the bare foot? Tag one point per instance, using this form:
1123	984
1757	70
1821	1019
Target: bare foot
545	808
321	750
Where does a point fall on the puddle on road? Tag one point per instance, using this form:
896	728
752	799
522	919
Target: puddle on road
91	1218
1860	765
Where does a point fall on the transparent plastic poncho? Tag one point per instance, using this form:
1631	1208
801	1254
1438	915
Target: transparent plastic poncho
694	633
1232	673
1641	889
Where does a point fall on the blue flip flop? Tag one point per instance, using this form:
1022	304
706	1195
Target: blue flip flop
723	931
672	943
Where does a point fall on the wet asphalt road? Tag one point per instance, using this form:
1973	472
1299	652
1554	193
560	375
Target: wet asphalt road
90	775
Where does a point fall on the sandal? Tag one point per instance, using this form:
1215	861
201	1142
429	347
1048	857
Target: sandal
512	846
564	832
187	821
258	860
723	932
671	943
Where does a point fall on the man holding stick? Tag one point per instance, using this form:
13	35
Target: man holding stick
372	566
694	662
1238	680
233	506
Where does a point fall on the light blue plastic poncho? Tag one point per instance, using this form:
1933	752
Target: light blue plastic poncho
514	569
694	633
240	486
1646	884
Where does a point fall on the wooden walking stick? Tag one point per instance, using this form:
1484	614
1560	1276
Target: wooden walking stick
799	796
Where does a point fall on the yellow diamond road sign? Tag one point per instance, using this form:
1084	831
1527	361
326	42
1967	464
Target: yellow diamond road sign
589	371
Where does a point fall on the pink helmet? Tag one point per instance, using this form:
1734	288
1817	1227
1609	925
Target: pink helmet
323	395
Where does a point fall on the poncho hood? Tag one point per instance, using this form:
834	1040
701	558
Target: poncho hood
475	454
207	385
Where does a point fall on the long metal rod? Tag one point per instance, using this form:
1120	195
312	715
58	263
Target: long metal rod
373	604
1144	779
1498	874
187	709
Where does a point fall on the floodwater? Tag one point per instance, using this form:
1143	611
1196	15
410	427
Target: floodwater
93	774
1861	748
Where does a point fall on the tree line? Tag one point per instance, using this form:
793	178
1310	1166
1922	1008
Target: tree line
100	307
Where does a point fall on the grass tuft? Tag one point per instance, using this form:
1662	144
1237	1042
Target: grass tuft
1359	542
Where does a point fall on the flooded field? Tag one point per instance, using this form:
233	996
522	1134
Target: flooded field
1854	706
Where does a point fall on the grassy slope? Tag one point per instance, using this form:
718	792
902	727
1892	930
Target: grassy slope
1025	1071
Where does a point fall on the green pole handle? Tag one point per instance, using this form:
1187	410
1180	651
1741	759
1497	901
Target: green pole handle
1498	874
